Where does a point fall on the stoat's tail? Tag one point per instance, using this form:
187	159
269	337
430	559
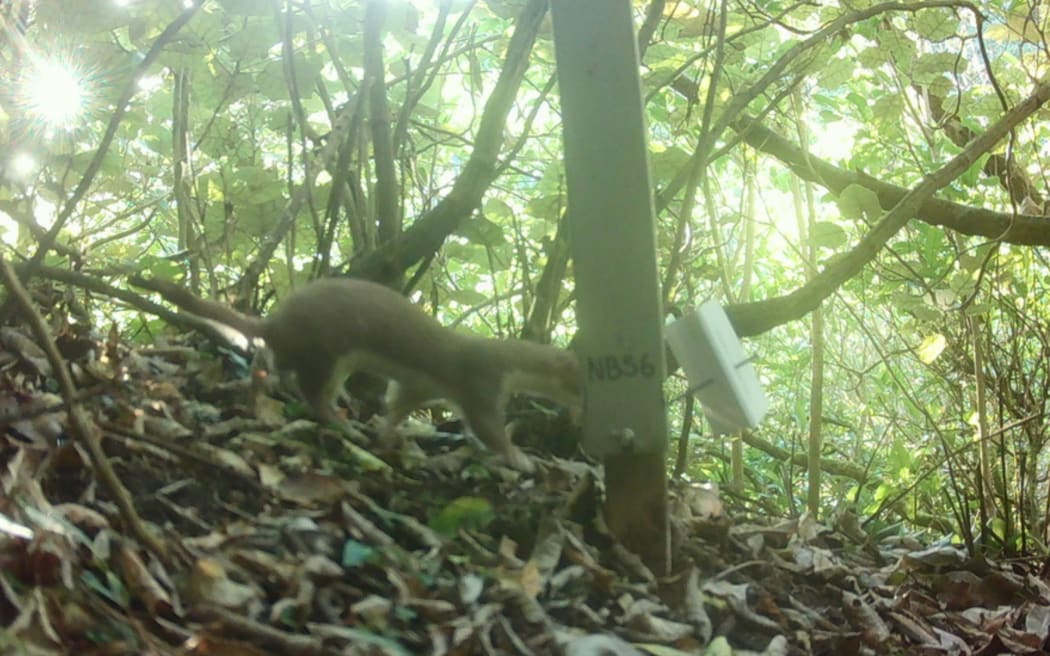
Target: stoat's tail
202	307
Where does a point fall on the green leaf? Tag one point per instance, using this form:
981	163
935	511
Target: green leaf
969	262
256	37
463	513
246	8
479	230
887	110
933	242
547	207
468	297
836	72
666	163
825	234
873	57
936	24
497	208
112	588
856	202
356	553
931	347
156	138
898	47
930	66
926	313
83	17
977	309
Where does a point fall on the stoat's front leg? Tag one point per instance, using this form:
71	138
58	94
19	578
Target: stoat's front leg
484	413
401	399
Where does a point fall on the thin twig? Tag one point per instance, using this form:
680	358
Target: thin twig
79	422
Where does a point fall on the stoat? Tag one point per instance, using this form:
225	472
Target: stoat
330	328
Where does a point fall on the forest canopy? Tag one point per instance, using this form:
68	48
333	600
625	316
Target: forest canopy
862	185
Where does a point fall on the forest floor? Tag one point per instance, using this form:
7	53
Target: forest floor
280	537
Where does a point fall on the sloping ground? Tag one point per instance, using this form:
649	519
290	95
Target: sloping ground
281	538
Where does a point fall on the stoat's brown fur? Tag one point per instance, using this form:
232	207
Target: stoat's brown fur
330	328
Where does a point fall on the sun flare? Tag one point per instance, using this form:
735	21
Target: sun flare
53	93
